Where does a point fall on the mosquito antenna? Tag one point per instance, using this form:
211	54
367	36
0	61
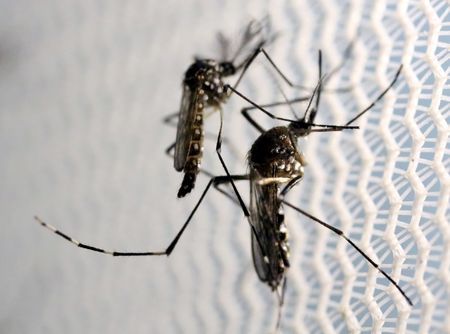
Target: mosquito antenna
312	96
310	115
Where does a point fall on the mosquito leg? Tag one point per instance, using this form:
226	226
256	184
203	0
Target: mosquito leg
167	252
170	149
325	127
222	180
277	69
310	113
285	78
177	237
245	66
283	291
397	74
342	235
256	106
290	185
245	111
334	71
93	248
217	180
222	162
280	295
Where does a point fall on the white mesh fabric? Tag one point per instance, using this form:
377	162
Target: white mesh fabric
83	90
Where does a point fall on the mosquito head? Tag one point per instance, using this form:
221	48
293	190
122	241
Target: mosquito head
227	68
275	156
300	128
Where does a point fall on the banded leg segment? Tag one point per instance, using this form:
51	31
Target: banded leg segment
93	248
214	181
359	250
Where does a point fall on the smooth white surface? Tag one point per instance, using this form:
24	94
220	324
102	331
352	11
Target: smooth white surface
84	87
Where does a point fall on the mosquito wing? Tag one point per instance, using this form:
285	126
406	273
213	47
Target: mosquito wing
184	128
265	217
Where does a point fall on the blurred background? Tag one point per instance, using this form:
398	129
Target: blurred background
84	88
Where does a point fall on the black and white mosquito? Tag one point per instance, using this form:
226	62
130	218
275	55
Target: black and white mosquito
203	88
276	165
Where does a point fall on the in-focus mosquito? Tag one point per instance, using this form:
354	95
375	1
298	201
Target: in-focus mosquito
276	165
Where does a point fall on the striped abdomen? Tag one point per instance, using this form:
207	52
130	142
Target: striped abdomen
195	152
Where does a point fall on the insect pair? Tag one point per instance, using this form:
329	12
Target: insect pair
274	158
276	163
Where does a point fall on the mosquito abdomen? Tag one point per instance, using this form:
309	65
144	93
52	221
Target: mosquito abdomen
191	168
188	184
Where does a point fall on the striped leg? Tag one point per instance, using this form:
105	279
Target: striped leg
93	248
214	181
342	235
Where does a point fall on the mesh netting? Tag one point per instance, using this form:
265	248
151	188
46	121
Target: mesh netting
84	87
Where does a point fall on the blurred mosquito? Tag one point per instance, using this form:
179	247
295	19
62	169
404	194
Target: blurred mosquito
203	88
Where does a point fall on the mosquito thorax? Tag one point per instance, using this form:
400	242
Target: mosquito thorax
227	68
195	72
275	156
205	77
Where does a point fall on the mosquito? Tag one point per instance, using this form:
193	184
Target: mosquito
276	165
203	88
